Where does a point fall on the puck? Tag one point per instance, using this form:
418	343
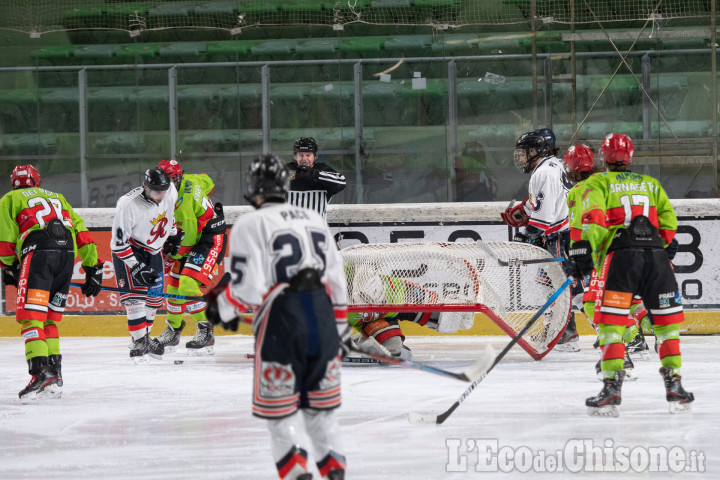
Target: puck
179	362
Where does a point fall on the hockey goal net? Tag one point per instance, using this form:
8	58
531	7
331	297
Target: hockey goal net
492	278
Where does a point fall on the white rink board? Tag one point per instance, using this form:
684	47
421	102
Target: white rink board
697	262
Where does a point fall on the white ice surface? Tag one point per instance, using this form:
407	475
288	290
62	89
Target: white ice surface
117	420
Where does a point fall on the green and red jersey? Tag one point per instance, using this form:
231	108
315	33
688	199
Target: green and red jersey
614	199
193	209
25	210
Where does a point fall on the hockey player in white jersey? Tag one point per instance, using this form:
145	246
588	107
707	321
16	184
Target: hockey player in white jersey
286	267
144	220
543	217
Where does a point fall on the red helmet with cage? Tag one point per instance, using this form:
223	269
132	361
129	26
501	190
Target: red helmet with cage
24	176
617	149
578	158
173	169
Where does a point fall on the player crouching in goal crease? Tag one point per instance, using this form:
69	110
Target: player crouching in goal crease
285	266
627	224
40	235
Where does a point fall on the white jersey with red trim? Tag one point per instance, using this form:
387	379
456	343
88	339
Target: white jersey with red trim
269	246
547	195
142	223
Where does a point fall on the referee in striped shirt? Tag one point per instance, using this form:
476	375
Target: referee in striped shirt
312	183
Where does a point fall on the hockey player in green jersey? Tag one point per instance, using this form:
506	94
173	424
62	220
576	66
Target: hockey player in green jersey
580	165
193	256
627	224
40	235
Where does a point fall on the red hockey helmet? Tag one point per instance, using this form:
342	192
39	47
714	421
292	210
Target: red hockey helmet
617	149
173	169
578	158
24	176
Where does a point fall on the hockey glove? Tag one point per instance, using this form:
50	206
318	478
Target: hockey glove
11	274
172	244
516	216
581	262
144	275
212	312
672	249
93	280
531	236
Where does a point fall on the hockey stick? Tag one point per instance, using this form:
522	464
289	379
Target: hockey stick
200	298
431	418
467	375
172	296
516	262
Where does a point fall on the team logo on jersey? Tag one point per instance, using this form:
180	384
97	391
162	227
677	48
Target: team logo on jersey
276	379
121	283
158	230
198	259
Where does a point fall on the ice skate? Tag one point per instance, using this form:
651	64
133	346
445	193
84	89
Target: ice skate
55	367
678	399
170	337
638	346
605	403
202	343
569	340
43	383
146	348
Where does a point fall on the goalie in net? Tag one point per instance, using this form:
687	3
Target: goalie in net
460	279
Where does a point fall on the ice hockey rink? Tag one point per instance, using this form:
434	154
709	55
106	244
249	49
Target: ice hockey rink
164	420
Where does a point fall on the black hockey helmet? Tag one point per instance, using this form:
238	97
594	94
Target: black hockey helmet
527	142
549	137
266	177
156	179
305	144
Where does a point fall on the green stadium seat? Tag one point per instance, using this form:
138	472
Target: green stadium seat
273	47
318	46
157	94
408	43
171	9
53	52
304	5
137	50
183	49
117	142
198	92
108	95
19	96
61	95
95	51
229	47
215	8
365	46
453	43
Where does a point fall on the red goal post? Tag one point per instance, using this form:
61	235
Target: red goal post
491	278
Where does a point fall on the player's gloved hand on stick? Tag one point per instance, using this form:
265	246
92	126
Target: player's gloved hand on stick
172	244
11	274
93	280
672	249
212	312
144	275
580	259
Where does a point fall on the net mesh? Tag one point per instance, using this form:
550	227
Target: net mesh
42	16
455	276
